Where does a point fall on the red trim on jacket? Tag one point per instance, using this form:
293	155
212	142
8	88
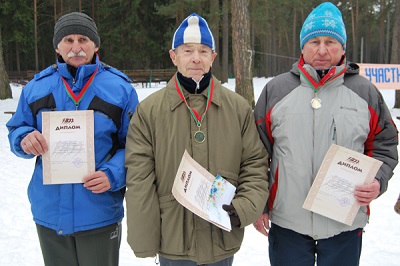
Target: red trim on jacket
374	129
268	124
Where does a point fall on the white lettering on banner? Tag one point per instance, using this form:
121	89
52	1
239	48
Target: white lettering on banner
383	76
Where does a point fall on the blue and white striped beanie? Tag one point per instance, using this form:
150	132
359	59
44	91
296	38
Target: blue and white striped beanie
325	20
194	29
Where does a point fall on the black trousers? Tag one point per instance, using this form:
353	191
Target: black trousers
98	247
168	262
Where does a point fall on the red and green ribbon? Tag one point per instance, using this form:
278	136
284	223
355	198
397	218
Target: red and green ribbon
197	118
78	98
328	77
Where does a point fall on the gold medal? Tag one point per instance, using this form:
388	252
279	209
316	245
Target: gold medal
199	136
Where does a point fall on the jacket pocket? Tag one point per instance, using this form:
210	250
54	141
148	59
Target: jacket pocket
228	241
174	226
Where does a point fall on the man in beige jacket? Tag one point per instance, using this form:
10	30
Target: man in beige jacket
216	126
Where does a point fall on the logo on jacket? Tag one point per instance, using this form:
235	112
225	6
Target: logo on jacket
348	108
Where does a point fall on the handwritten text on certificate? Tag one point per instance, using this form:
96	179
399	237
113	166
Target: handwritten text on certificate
332	192
70	138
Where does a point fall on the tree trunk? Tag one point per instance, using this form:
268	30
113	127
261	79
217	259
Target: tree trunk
381	33
17	57
5	89
395	55
214	25
354	24
242	53
387	37
294	34
368	40
36	37
225	41
93	9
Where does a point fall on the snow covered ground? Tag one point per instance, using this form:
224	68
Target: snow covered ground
19	245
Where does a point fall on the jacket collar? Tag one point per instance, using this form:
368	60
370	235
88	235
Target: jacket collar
83	71
175	100
310	78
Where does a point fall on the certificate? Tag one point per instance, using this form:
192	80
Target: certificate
70	138
332	192
202	193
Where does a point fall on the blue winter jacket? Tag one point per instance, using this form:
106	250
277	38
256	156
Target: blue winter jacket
69	208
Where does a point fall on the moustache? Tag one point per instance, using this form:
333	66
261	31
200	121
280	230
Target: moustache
80	53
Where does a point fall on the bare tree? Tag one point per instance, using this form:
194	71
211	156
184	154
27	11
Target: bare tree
5	89
36	37
242	53
381	33
395	55
214	25
225	41
354	26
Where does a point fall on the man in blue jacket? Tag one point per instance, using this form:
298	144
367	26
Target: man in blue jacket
77	224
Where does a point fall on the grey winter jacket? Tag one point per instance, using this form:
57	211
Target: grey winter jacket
297	137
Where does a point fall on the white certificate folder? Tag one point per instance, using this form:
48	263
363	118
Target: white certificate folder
202	193
332	192
70	138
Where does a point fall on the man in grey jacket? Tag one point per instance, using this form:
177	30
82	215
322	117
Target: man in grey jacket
321	101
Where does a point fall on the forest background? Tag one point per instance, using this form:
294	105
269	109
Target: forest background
261	35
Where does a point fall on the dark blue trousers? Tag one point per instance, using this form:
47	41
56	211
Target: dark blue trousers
287	248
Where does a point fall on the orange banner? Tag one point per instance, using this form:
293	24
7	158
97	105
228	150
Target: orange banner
383	76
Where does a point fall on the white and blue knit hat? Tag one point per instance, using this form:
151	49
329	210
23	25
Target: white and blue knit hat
325	20
194	29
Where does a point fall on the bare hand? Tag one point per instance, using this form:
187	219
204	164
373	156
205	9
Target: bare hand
97	182
262	224
364	194
34	143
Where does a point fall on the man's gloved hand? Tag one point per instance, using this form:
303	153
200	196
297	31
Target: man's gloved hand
235	221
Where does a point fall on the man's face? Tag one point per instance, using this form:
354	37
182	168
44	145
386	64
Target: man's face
76	49
193	60
322	52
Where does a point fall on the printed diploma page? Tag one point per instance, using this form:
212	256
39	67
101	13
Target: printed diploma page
70	137
202	193
332	192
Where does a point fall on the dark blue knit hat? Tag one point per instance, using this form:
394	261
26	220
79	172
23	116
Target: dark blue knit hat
194	29
325	20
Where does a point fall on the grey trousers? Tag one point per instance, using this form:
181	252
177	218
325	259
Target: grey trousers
168	262
98	247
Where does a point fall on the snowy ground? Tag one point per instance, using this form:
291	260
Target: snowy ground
19	245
